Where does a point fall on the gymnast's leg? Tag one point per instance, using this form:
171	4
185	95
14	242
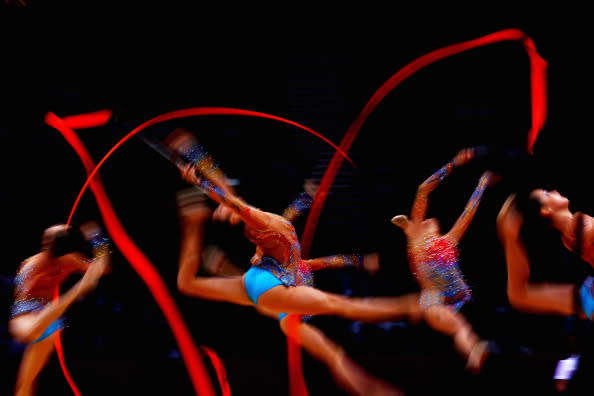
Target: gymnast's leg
307	300
193	217
452	323
348	374
34	358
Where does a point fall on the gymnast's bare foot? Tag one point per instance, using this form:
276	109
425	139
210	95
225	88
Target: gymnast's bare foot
477	357
401	221
360	383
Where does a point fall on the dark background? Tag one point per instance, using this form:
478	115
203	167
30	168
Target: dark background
319	70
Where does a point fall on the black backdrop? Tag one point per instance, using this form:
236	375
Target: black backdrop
319	75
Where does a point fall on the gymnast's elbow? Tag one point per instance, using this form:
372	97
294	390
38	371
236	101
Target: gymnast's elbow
184	285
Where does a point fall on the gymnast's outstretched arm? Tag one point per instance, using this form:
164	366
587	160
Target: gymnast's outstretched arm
543	298
419	208
462	223
368	262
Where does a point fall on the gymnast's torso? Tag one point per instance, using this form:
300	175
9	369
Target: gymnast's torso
434	261
276	238
37	279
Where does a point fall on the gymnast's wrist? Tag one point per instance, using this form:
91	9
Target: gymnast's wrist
353	260
100	244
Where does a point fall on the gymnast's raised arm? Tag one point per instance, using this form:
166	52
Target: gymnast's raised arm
419	208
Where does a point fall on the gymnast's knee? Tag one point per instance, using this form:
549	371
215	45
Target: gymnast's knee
21	330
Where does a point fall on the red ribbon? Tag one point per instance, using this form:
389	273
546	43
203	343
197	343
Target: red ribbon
538	78
140	263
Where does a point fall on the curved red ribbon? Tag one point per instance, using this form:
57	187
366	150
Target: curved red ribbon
196	111
539	108
220	369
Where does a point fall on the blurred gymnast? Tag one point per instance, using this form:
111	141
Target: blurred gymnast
36	316
576	230
434	260
194	215
523	215
279	281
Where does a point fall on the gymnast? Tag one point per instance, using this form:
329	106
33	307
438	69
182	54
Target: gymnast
36	316
194	214
529	212
279	281
549	209
434	262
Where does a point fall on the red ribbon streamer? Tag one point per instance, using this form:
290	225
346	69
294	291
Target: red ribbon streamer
139	262
538	77
195	111
88	120
220	369
297	384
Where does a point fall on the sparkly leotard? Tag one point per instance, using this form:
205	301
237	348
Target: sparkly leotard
33	293
281	263
34	287
38	277
277	238
436	267
289	267
274	235
435	258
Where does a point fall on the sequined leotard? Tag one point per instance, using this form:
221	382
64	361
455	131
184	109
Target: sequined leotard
278	248
33	291
39	276
435	258
34	286
436	267
277	240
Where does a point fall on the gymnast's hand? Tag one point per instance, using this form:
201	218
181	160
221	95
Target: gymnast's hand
463	156
94	272
257	257
311	187
371	263
188	173
90	229
491	177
